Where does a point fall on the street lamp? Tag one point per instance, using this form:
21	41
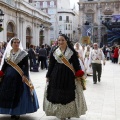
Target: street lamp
1	16
42	27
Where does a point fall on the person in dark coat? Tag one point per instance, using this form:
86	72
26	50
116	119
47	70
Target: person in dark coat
43	57
32	56
116	55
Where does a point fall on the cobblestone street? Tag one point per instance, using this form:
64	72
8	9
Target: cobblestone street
103	99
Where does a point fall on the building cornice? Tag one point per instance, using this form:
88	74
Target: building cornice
66	11
34	13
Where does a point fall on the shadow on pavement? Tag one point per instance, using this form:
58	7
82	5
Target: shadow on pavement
21	118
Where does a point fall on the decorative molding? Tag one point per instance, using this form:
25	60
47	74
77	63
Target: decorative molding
21	19
108	11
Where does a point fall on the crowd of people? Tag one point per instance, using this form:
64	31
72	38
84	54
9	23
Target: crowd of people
67	66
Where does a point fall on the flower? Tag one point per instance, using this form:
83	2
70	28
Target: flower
1	73
79	73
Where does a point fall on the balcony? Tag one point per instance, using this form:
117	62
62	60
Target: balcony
9	2
48	6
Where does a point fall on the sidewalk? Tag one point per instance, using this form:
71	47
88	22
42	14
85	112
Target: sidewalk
103	99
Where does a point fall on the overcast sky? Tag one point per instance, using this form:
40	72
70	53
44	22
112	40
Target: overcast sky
72	2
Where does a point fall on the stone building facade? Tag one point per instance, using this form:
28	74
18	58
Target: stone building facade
96	11
23	20
57	9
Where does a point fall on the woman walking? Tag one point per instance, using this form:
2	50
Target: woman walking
16	98
64	94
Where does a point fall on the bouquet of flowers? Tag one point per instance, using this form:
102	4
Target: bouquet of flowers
80	76
1	75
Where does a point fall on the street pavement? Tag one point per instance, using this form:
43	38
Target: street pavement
103	99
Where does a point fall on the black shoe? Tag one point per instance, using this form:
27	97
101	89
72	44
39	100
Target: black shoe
98	80
13	116
68	117
17	117
95	83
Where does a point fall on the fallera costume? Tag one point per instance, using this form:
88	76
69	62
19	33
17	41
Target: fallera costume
63	96
15	95
88	68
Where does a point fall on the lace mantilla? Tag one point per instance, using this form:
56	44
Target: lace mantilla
16	58
68	54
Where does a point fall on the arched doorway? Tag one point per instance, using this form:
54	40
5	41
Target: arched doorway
41	38
10	31
28	37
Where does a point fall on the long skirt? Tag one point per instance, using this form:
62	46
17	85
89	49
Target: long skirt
27	104
75	108
88	68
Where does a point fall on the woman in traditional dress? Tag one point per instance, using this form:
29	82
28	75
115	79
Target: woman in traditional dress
79	49
86	59
64	94
15	96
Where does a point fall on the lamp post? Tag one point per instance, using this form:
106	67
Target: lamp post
1	16
42	27
1	19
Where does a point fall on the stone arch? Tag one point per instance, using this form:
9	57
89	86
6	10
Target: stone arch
28	36
90	11
10	30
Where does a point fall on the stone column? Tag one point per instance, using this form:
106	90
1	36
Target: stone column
21	31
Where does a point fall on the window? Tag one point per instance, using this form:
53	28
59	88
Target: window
44	4
60	18
68	26
30	1
37	4
51	11
52	4
67	18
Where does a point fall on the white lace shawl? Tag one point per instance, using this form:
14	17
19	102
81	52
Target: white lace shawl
68	54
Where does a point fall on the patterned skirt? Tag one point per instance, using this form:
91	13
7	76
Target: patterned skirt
75	108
